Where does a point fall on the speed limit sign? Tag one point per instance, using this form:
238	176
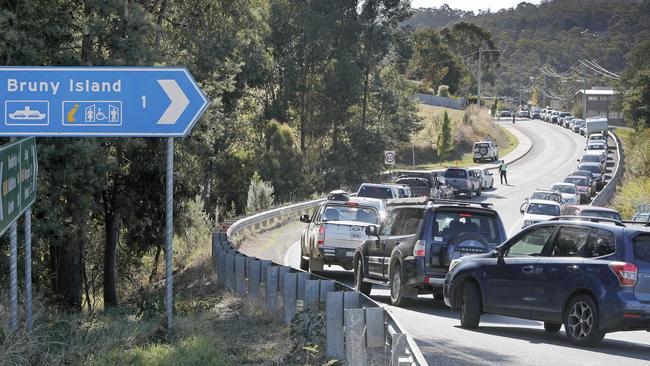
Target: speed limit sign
389	157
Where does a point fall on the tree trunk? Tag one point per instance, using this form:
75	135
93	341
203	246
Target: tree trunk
67	269
113	224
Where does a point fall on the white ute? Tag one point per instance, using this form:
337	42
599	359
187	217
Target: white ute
336	229
539	210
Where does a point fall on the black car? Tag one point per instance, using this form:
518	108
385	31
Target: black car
417	241
590	274
420	187
506	113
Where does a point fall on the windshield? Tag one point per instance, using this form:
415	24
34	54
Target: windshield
565	114
583	173
456	173
579	123
375	192
577	181
642	217
478	146
596	138
365	214
543	209
413	182
598	213
564	189
450	224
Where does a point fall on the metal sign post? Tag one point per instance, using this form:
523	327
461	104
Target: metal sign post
102	102
169	230
18	169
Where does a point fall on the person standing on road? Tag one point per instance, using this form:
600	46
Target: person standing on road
503	168
513	117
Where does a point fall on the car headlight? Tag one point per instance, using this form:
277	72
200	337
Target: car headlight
453	264
528	223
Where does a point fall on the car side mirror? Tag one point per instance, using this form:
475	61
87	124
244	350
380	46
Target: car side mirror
305	219
372	230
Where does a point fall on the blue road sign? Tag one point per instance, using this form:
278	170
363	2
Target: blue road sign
98	101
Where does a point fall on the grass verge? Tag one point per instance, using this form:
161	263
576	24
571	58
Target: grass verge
635	186
467	127
211	327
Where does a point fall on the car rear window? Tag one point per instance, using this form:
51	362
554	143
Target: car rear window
591	168
478	146
591	158
642	248
350	213
577	181
543	209
545	196
598	213
456	173
449	224
375	192
596	147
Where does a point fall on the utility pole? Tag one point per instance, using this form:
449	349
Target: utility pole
543	94
584	93
478	100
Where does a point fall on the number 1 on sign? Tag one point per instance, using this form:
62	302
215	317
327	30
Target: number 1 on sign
144	101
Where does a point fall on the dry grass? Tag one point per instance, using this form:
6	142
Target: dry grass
211	327
468	126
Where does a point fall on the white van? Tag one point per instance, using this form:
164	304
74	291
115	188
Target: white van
596	125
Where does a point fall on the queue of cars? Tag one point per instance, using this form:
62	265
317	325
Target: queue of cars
572	265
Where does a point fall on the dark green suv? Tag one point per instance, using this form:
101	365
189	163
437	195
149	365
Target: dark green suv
412	249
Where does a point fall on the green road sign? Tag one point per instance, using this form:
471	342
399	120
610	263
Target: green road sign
18	169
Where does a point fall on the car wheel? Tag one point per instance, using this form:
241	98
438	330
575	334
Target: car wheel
304	263
359	285
581	322
478	192
470	308
397	297
552	327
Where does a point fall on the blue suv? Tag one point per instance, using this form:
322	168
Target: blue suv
591	275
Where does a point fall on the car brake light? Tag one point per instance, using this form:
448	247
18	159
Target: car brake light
418	250
351	203
465	215
321	236
626	273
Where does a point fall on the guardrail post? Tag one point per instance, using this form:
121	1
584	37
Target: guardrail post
376	336
351	300
300	290
264	265
240	275
325	287
281	272
230	271
334	326
272	288
289	296
311	301
399	347
355	345
254	278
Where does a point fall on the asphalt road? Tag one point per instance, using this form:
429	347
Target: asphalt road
499	340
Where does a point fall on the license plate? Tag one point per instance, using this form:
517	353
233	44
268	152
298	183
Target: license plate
340	252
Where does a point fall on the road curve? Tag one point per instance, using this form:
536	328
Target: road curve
499	340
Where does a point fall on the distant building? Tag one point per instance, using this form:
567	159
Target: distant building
599	103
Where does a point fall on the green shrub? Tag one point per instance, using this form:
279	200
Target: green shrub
260	195
443	91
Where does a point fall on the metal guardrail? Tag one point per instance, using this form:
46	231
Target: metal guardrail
606	194
349	315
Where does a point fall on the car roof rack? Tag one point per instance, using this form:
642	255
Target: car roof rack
427	200
588	218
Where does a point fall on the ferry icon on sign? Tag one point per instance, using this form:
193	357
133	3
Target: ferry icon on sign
27	112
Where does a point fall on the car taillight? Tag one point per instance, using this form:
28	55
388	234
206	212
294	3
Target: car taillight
320	240
626	273
418	250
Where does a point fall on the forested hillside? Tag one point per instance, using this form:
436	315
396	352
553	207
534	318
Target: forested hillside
556	33
307	94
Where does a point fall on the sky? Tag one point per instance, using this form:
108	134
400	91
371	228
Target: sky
474	5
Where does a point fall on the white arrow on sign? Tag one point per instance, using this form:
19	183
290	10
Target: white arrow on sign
178	104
